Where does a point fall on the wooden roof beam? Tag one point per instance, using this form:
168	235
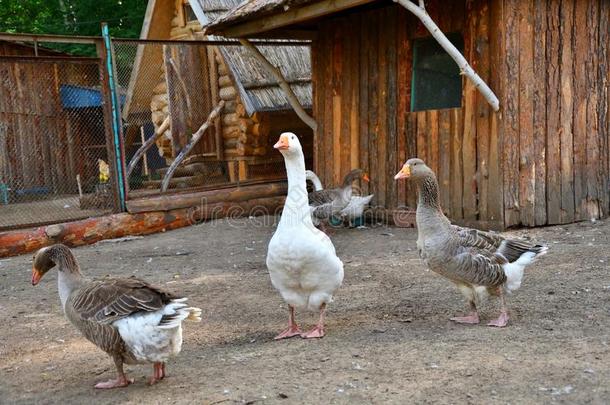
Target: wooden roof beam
291	17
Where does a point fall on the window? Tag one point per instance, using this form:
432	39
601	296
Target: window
436	80
189	14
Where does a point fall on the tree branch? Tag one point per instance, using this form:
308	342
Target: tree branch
194	139
146	145
479	84
275	72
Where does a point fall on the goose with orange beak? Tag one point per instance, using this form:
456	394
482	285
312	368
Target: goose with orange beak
131	320
479	263
301	259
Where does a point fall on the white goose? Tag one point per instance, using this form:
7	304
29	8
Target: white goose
301	259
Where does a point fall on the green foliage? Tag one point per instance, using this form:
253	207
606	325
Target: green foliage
73	17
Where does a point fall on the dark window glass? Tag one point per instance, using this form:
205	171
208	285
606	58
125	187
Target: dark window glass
437	82
189	14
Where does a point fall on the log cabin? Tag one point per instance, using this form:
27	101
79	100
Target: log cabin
255	110
384	91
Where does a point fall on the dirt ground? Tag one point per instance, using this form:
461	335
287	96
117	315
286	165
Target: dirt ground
388	339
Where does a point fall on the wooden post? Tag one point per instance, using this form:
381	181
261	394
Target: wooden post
215	99
275	72
420	12
145	158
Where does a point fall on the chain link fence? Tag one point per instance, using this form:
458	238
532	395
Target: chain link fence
194	115
171	88
54	163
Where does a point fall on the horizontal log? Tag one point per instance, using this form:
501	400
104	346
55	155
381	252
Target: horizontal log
230	119
230	131
157	117
222	69
248	138
230	107
158	101
240	110
228	93
185	31
93	230
246	150
261	129
231	143
245	124
160	88
187	200
224	81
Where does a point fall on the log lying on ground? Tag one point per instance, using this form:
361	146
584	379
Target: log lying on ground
93	230
185	200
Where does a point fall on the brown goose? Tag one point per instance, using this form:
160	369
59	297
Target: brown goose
477	262
326	203
131	320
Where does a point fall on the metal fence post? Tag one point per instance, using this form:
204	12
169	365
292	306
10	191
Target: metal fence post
116	118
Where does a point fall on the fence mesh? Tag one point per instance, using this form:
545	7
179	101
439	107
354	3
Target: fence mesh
170	89
54	163
57	144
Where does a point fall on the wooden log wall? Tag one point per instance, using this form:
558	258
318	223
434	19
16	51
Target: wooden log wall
543	159
362	98
556	114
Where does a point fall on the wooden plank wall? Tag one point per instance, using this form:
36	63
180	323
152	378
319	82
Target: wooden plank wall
555	128
43	144
362	90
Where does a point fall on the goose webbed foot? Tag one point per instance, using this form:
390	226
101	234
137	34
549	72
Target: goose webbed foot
501	322
471	319
293	328
318	330
122	381
289	332
158	373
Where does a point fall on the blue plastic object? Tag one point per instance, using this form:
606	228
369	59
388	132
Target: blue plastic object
4	193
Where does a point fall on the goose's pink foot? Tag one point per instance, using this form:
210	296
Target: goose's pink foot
501	322
472	318
118	383
158	373
316	332
293	330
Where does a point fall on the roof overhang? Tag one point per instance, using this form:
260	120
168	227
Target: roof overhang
239	25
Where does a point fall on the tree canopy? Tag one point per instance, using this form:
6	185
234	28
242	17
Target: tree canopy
72	17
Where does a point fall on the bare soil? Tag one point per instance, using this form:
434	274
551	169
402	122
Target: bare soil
388	339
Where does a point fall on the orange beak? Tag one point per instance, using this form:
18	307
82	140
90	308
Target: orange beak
404	173
282	144
36	276
366	177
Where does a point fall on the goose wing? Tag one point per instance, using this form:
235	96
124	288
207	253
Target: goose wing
109	300
492	243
